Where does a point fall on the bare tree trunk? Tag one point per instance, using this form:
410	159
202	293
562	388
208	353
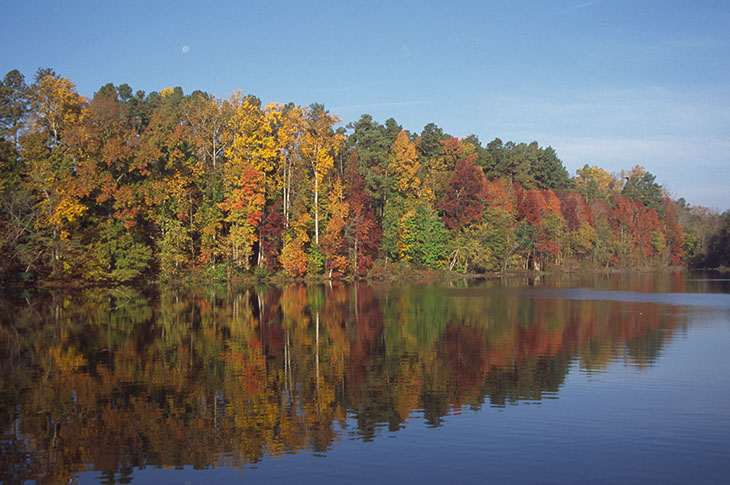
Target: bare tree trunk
355	265
316	209
260	258
287	193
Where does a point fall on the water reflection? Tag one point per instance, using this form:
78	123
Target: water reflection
119	379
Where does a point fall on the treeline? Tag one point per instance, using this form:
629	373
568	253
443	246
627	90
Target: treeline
126	186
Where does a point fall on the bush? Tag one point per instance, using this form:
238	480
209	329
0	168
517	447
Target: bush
315	260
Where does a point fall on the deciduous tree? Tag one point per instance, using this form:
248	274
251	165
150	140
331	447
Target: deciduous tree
318	146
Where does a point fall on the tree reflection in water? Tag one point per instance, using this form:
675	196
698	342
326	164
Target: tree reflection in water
118	379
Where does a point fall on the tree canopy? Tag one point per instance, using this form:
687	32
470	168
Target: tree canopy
128	185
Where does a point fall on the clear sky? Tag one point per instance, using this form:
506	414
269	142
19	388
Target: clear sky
612	83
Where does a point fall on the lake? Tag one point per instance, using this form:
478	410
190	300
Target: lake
600	378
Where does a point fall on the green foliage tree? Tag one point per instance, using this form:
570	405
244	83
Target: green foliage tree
116	255
372	141
548	171
641	186
422	237
14	105
486	245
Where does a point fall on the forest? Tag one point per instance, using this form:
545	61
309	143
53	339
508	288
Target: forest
129	187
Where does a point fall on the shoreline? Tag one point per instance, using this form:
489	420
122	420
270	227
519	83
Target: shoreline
416	276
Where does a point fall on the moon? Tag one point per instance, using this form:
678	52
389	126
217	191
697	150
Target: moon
185	49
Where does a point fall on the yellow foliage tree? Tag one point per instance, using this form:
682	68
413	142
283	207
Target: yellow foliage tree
595	183
251	135
57	109
251	154
55	104
318	146
404	166
293	258
290	127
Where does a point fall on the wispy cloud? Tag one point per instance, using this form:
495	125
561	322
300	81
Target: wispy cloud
613	152
714	197
679	135
385	104
349	88
580	6
649	111
692	167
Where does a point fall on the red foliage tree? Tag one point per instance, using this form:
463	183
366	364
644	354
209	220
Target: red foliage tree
272	229
622	215
533	207
673	231
365	233
634	227
462	203
599	210
498	194
575	210
453	151
552	203
647	223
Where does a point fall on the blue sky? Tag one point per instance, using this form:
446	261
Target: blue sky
611	83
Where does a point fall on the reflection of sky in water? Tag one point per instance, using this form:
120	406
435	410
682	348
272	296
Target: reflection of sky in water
714	300
667	423
466	384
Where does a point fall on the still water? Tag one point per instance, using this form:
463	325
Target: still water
618	378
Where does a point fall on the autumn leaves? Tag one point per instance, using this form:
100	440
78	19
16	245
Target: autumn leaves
126	186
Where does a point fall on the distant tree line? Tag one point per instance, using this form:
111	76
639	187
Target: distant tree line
129	185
